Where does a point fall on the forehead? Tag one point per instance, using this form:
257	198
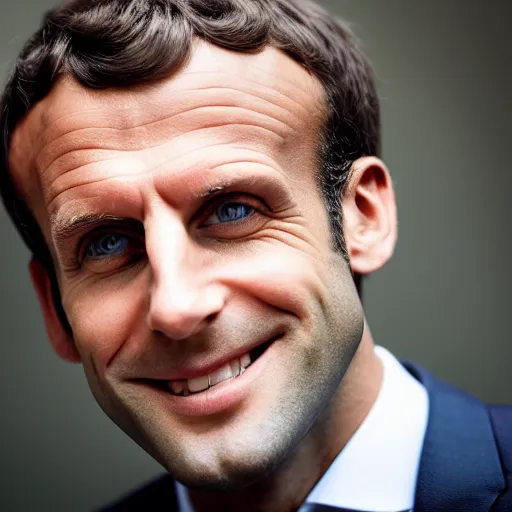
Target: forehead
270	73
285	101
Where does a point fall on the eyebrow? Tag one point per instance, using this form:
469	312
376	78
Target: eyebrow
223	186
65	228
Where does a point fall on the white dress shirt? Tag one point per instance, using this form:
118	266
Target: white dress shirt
378	468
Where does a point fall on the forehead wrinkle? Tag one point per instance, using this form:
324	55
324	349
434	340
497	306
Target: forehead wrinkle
30	129
260	90
102	116
127	137
51	198
58	121
156	122
269	62
249	156
163	149
272	92
124	144
100	144
127	99
37	120
162	146
73	160
169	167
252	97
265	93
136	125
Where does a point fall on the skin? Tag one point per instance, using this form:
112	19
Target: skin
189	289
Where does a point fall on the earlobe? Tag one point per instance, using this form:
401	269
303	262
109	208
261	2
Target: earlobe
369	214
60	338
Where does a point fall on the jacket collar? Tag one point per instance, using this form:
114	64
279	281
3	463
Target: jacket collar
459	467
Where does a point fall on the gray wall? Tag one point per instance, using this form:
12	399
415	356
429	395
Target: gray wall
444	300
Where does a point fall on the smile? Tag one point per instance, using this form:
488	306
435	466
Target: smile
230	370
216	388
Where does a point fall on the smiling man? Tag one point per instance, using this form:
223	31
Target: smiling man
200	186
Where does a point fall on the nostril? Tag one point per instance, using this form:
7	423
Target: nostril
175	321
180	316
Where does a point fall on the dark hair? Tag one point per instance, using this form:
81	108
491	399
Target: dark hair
117	43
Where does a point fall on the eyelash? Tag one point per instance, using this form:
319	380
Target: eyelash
208	211
105	231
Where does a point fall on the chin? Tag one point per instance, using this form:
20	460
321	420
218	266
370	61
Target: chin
229	465
234	481
228	475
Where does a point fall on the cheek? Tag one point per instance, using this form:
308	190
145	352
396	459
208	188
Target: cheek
303	284
104	316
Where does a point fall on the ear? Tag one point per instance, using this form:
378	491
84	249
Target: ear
61	340
369	213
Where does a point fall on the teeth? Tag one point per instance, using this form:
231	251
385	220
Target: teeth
198	384
232	369
221	374
245	360
235	367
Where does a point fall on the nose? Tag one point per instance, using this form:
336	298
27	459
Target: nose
180	312
184	298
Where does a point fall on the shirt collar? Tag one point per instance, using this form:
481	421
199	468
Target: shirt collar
378	468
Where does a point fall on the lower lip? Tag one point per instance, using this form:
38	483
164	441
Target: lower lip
222	396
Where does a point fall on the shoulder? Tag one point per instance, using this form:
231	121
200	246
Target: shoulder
157	495
466	461
501	418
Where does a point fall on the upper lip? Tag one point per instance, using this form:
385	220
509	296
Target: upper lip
201	370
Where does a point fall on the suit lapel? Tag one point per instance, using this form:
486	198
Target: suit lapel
459	467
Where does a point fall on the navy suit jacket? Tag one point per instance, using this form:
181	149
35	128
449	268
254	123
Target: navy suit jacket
465	466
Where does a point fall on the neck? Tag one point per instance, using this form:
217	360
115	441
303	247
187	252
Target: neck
287	488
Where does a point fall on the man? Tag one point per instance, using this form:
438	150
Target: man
200	186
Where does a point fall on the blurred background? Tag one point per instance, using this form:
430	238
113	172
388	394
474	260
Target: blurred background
444	77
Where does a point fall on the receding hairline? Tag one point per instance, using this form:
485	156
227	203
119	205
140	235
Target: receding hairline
23	163
67	80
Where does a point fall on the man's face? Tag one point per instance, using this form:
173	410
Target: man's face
189	234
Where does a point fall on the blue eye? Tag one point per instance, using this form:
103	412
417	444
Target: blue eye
231	212
109	244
